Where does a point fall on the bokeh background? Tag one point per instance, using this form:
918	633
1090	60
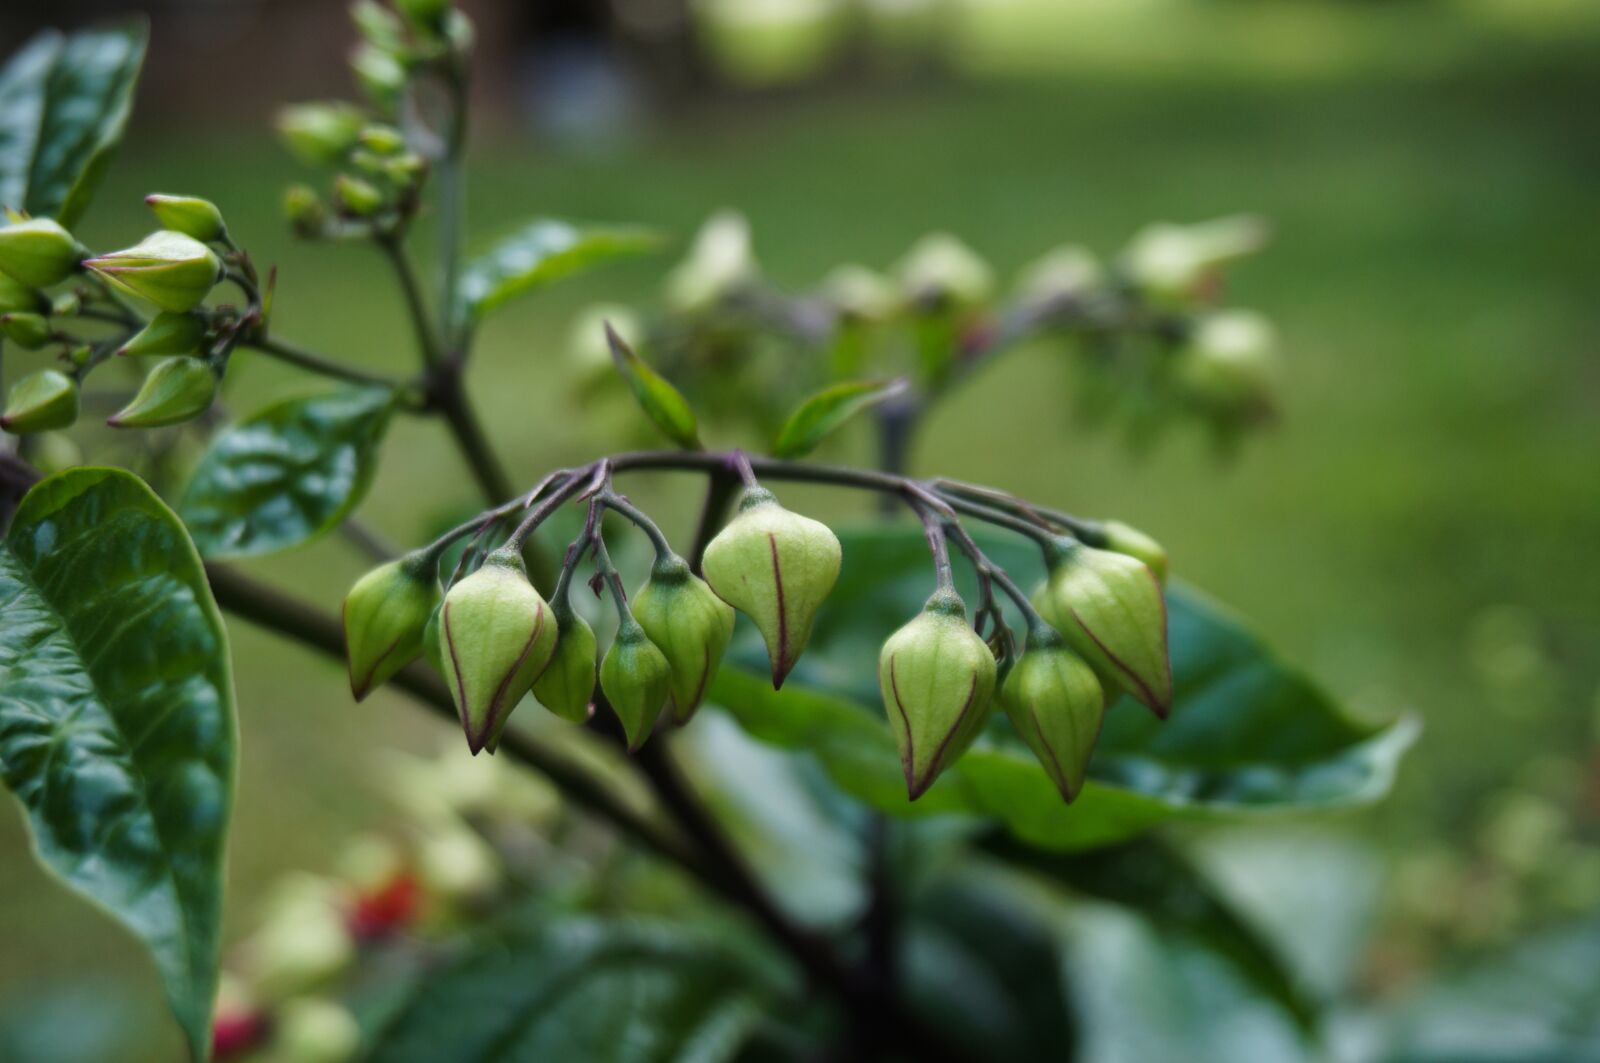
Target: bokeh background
1418	530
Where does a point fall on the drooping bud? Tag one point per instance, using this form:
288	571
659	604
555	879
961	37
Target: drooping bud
1172	263
567	686
174	391
637	680
304	209
776	567
385	615
496	637
169	269
189	215
937	677
1126	539
381	76
44	400
29	331
1109	608
859	293
37	252
167	334
382	139
16	297
320	133
940	268
689	624
1230	362
355	197
1056	705
1065	273
719	263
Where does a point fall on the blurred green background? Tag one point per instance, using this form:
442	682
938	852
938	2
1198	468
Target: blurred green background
1418	530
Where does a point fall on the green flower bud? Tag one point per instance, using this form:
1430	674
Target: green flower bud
689	624
719	263
776	567
382	76
1109	608
29	331
37	252
567	687
1126	539
44	400
1230	362
404	169
189	215
382	139
637	680
941	267
314	1030
320	133
859	293
80	355
169	269
356	197
377	24
1064	273
385	616
496	637
937	677
1171	263
65	304
1056	705
424	14
17	297
174	391
167	334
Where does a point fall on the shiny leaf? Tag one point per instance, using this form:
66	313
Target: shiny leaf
64	100
819	415
540	252
286	474
117	725
666	407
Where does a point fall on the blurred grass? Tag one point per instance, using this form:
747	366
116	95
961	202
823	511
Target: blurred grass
1434	278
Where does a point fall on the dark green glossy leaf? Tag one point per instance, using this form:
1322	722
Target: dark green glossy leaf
116	716
286	474
64	101
1248	734
540	252
579	988
817	416
666	407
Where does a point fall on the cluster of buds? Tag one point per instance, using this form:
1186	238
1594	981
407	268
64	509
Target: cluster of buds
1096	627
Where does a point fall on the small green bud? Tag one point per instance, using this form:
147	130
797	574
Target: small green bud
304	209
80	355
424	14
567	687
637	680
167	334
719	263
588	347
1109	608
355	197
937	677
405	168
385	615
382	139
37	252
17	297
320	133
496	637
859	293
43	400
174	391
65	304
314	1030
1065	273
377	24
942	268
1231	360
189	215
1126	539
776	567
381	75
1056	705
169	269
29	331
689	624
1172	263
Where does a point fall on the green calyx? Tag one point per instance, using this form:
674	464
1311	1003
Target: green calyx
1109	608
174	391
567	686
777	568
189	215
42	401
637	680
937	676
385	616
691	627
37	253
1126	539
174	271
1056	704
167	334
496	635
27	330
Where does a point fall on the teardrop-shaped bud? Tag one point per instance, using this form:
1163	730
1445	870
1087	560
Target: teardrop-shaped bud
1109	608
937	677
320	133
689	624
26	330
304	209
1056	705
355	197
637	680
41	401
167	334
1126	539
1230	363
169	269
37	252
385	615
718	264
776	567
567	686
939	268
496	637
174	391
189	215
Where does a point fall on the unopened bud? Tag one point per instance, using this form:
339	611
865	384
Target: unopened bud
37	252
320	133
167	268
689	624
174	391
1172	263
1230	362
776	567
1056	704
719	263
859	293
377	24
381	75
382	139
315	1030
189	215
940	268
937	676
426	15
637	680
28	331
567	686
385	615
496	637
1126	539
167	334
44	400
1065	273
16	297
355	197
304	209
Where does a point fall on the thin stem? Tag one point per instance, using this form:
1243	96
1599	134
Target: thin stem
367	540
720	488
298	356
933	530
621	505
427	338
613	578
